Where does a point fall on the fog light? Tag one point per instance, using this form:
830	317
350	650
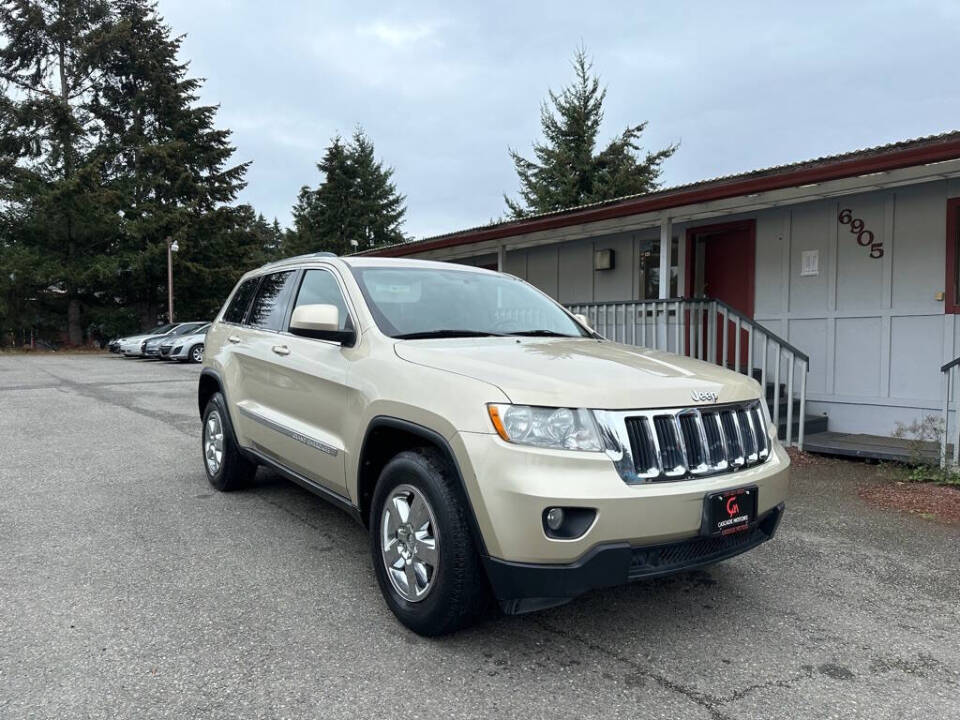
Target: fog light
554	518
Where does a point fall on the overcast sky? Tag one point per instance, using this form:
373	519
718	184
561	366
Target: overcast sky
443	89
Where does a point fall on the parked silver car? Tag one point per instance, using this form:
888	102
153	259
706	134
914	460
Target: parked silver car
151	346
186	348
130	345
139	348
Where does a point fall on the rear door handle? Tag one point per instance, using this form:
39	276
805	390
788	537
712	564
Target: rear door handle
233	339
281	349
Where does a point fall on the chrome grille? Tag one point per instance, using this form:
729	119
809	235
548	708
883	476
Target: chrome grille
659	445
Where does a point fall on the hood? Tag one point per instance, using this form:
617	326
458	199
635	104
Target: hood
192	337
135	338
575	372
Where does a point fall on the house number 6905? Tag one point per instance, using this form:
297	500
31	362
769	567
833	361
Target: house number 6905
864	237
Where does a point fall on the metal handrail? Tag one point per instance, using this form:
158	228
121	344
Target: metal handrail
950	365
720	303
689	326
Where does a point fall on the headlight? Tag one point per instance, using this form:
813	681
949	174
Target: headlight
560	428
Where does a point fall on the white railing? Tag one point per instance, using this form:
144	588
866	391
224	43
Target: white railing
950	372
710	330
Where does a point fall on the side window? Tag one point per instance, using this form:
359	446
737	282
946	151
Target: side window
270	303
240	301
319	287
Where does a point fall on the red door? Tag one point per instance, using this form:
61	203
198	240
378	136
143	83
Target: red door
728	275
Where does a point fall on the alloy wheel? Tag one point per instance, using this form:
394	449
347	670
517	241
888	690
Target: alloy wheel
409	543
197	354
213	442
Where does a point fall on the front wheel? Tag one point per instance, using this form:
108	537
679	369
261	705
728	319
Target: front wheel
196	353
424	556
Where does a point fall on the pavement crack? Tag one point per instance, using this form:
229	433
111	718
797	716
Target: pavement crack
709	702
786	682
705	700
118	400
288	511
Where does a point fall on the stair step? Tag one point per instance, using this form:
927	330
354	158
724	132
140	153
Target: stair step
813	424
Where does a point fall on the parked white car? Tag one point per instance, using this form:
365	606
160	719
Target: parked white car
131	345
137	346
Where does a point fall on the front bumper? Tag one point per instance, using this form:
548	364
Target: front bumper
525	587
510	486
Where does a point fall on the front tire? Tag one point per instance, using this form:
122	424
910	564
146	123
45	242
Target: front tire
226	468
196	353
423	551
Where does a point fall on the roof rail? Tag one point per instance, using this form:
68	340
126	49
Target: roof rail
322	253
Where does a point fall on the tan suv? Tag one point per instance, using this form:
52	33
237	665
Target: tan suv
493	444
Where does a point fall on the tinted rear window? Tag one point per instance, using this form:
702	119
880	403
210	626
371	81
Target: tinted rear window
240	301
270	303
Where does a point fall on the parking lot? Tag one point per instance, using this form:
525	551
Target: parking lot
129	588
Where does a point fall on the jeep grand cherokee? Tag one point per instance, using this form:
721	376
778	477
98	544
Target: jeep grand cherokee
494	445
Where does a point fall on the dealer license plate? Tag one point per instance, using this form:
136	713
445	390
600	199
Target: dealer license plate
730	511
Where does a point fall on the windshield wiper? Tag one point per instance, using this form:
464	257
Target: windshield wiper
540	333
446	334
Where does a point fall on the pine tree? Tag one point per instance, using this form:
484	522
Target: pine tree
235	240
50	183
567	171
357	201
163	158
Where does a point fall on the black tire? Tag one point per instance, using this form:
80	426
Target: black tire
460	595
234	470
192	354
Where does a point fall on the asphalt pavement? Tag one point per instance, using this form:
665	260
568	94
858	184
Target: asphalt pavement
129	588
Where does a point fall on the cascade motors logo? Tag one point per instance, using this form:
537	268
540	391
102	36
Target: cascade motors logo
705	396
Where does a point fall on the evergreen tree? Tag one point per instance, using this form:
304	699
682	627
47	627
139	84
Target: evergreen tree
567	170
357	201
235	240
165	161
105	154
50	184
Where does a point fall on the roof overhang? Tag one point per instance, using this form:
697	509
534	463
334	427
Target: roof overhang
864	173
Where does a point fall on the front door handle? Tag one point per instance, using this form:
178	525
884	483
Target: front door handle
281	349
234	339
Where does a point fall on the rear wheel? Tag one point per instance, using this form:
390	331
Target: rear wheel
423	552
196	353
226	468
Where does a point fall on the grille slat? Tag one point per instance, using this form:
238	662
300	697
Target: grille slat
668	438
645	456
670	445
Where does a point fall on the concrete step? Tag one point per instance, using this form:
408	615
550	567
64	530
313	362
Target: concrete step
814	424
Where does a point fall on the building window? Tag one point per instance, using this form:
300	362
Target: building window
650	269
952	299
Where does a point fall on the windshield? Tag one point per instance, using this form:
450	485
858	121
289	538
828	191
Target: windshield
187	328
428	302
163	329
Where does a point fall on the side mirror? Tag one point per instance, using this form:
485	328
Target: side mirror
582	319
321	322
